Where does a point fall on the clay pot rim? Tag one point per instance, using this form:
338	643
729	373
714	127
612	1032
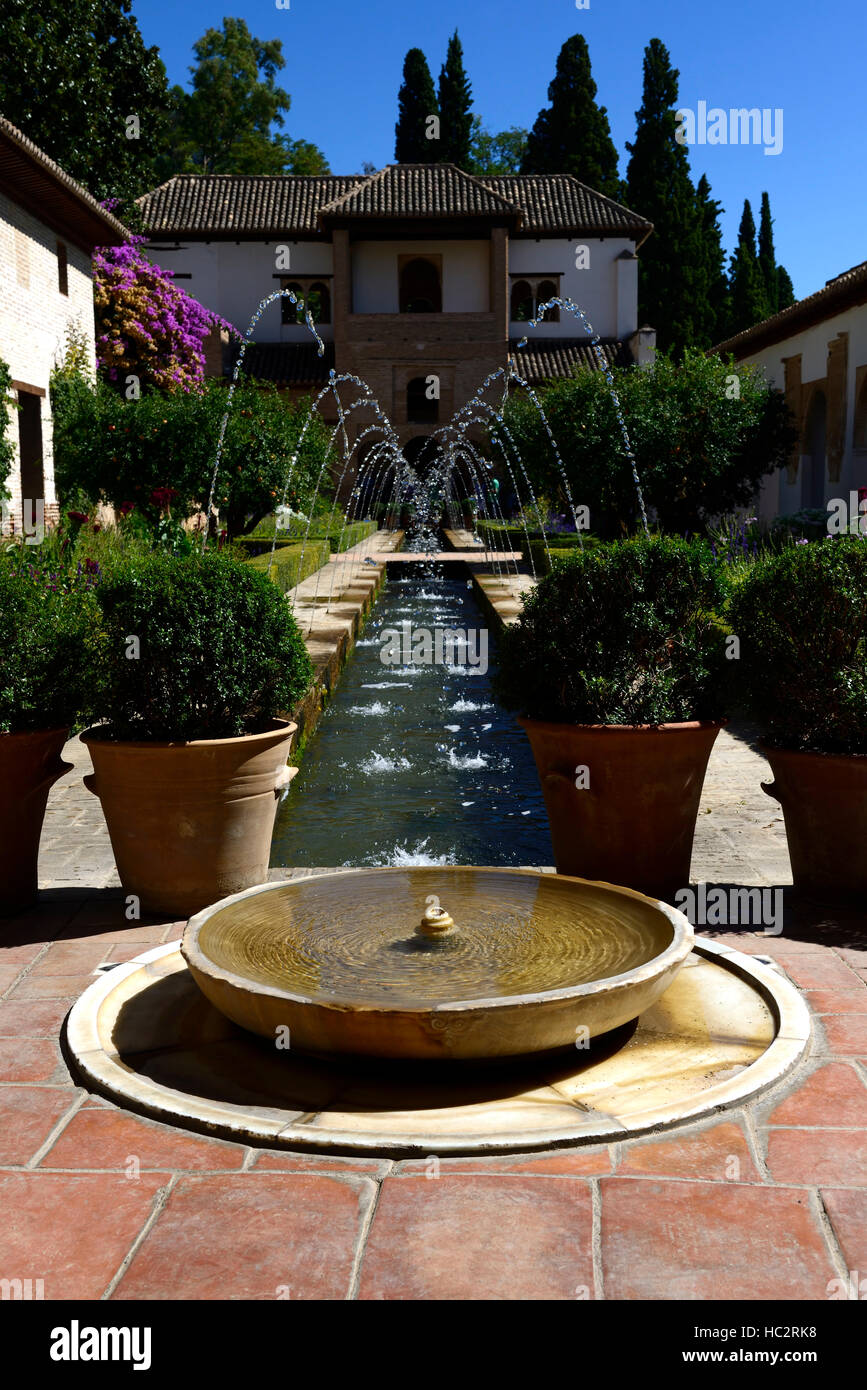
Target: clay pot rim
95	736
770	750
675	953
41	732
675	727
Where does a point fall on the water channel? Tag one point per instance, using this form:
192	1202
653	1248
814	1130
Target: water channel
415	764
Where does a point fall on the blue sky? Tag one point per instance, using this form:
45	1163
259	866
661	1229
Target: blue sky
344	61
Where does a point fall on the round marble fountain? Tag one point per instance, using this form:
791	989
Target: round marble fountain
436	1010
378	965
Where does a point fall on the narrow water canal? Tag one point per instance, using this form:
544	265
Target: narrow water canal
415	764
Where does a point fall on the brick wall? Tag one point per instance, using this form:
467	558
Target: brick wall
33	320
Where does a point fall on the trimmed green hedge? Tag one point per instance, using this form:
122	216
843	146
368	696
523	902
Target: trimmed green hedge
559	547
292	563
338	540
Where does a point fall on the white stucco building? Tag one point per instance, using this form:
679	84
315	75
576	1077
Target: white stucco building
49	226
417	270
816	353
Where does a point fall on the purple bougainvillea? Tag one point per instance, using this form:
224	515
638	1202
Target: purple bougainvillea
146	325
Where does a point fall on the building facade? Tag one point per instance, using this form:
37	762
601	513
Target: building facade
421	278
49	226
816	352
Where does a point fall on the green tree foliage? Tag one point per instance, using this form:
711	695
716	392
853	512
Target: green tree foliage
224	125
704	434
303	157
671	269
7	415
416	101
71	73
572	134
455	103
712	301
500	153
748	302
785	288
156	454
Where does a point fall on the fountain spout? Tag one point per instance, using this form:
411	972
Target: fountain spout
436	922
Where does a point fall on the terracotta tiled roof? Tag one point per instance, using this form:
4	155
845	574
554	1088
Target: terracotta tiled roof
838	294
286	364
245	204
542	360
559	203
421	190
298	204
34	180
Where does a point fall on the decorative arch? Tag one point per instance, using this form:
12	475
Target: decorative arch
319	302
522	302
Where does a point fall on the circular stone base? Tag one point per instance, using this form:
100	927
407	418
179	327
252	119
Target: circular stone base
726	1029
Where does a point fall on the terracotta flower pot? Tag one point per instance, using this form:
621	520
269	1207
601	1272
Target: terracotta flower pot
629	819
190	822
30	764
824	801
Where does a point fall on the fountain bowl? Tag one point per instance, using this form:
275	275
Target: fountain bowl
435	963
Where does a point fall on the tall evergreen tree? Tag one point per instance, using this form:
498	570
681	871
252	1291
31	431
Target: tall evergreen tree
713	297
748	301
785	289
456	102
671	268
572	135
767	259
416	101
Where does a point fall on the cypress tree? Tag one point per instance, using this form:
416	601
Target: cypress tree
456	101
572	135
416	101
767	259
748	302
712	302
785	289
671	268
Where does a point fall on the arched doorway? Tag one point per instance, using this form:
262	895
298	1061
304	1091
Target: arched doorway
815	466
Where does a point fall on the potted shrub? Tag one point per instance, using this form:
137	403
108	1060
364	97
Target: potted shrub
618	662
202	656
801	616
48	633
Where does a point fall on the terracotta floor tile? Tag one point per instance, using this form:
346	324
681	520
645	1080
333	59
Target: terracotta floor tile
281	1161
848	1215
252	1236
697	1241
27	1116
834	1096
856	956
838	1001
471	1238
97	1137
8	974
70	1230
52	987
846	1034
581	1163
32	1018
818	1157
19	955
720	1154
30	1059
69	958
819	972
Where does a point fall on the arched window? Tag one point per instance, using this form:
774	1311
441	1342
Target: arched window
522	302
813	486
289	312
420	289
545	291
420	410
319	302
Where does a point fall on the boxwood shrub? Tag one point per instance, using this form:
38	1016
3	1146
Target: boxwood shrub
801	617
219	653
291	564
626	633
49	644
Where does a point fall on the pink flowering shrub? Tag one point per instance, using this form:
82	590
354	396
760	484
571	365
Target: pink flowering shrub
146	325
